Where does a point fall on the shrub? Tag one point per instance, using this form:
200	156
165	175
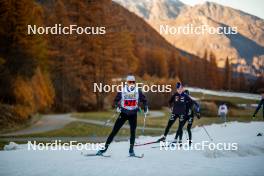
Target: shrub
208	109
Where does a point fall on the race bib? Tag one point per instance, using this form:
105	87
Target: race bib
130	103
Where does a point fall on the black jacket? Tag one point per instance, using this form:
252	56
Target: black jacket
180	103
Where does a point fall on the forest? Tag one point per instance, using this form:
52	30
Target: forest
55	73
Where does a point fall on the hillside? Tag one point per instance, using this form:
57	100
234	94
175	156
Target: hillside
55	72
129	46
246	49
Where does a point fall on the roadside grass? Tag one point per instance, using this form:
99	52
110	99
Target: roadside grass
160	122
20	126
103	115
81	129
75	129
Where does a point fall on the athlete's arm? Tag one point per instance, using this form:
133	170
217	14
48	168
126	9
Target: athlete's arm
143	99
117	99
171	100
197	106
259	106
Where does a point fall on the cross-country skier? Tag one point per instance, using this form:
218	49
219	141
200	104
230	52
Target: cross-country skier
190	116
178	104
222	112
261	103
190	104
127	104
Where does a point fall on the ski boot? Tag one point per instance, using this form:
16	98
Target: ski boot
100	152
190	143
131	152
162	139
176	142
180	143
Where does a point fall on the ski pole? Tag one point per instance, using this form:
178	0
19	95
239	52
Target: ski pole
185	133
143	129
207	133
110	119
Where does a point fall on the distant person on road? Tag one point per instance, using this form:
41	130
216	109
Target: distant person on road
222	112
261	103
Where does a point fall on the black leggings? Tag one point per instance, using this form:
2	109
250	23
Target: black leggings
189	127
182	121
132	119
171	121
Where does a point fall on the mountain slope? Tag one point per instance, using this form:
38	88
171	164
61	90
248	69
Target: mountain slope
78	61
246	49
152	9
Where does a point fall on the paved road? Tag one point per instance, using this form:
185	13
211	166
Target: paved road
57	121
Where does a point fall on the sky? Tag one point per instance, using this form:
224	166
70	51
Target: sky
254	7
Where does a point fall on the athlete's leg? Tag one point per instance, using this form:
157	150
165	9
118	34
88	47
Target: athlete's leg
181	124
118	124
132	119
189	126
170	123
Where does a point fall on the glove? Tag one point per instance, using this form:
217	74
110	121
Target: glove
139	110
118	109
198	115
146	111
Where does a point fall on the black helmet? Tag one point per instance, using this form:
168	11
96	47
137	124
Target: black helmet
178	85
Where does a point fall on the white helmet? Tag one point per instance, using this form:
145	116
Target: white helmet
130	78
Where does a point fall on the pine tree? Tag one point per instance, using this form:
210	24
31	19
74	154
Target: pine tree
242	84
173	64
227	75
22	52
213	72
25	82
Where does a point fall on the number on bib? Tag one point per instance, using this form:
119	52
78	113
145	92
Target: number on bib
130	103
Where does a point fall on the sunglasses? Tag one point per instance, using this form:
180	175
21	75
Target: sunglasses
131	82
179	88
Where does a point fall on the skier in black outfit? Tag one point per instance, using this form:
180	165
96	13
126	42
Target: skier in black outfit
261	103
178	103
126	103
190	116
